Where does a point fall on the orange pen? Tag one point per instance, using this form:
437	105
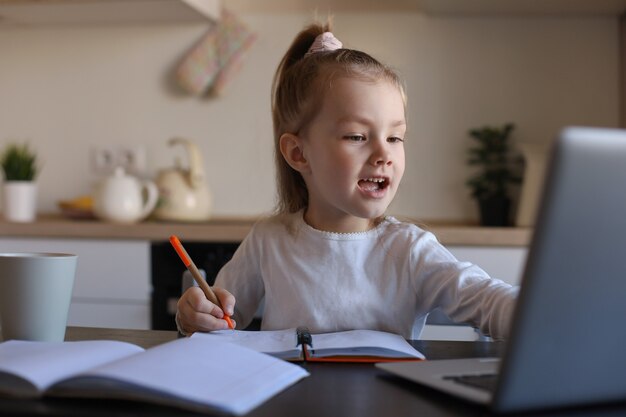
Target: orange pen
208	292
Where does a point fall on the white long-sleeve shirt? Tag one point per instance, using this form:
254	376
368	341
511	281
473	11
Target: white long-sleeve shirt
388	278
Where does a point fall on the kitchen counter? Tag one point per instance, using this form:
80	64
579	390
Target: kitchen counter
225	229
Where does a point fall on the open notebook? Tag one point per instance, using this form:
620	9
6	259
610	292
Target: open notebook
567	339
181	373
300	345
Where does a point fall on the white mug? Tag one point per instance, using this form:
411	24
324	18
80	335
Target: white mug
35	295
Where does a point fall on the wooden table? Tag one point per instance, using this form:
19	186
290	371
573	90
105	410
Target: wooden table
333	389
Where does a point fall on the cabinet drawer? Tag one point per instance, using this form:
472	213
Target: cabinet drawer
107	269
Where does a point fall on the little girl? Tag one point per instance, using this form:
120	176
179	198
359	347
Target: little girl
330	259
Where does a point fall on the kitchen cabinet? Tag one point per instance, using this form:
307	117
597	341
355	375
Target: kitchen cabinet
121	283
112	285
505	263
85	12
523	7
439	7
35	12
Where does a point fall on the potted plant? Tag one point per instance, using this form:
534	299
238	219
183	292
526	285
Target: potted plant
19	191
491	185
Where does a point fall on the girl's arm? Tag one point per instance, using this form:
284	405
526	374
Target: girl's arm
463	291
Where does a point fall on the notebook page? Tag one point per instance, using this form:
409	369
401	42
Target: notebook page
43	363
201	372
266	341
350	341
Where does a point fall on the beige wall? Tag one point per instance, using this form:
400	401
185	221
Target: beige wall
68	89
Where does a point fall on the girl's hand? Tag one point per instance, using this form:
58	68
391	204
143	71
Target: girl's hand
196	313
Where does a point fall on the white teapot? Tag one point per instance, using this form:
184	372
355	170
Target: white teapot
120	198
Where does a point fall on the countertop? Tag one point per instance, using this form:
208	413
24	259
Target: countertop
230	229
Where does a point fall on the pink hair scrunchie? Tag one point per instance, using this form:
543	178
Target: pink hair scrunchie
324	42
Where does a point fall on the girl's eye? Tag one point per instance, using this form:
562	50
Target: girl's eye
394	139
355	138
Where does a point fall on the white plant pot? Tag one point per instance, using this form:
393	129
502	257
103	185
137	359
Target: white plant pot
19	201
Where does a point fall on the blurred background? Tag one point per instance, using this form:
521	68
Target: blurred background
77	88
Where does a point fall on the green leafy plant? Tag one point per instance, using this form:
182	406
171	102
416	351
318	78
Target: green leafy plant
497	163
18	163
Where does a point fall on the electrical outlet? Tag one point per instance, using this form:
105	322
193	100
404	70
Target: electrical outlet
104	159
132	158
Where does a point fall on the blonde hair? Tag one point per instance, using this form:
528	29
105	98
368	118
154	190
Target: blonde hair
297	93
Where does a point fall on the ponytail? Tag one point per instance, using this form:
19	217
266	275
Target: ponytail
288	100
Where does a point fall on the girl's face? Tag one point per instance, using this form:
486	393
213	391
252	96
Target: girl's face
354	152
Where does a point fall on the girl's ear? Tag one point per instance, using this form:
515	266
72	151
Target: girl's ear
292	149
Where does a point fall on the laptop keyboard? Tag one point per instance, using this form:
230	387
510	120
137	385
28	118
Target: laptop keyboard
486	382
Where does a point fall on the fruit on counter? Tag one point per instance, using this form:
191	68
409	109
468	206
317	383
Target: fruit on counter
84	202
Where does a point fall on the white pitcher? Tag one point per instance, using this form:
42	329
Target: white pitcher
184	192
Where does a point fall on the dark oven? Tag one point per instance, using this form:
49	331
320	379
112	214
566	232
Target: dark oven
167	270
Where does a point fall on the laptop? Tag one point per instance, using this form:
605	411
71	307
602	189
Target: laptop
566	345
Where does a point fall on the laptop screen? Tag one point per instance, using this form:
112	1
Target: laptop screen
566	344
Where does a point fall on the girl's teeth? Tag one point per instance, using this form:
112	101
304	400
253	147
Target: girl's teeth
372	184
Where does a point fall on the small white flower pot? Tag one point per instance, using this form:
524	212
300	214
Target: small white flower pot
19	201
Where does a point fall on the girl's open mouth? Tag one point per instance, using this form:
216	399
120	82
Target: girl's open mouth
374	184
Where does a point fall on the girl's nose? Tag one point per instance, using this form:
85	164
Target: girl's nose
380	155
